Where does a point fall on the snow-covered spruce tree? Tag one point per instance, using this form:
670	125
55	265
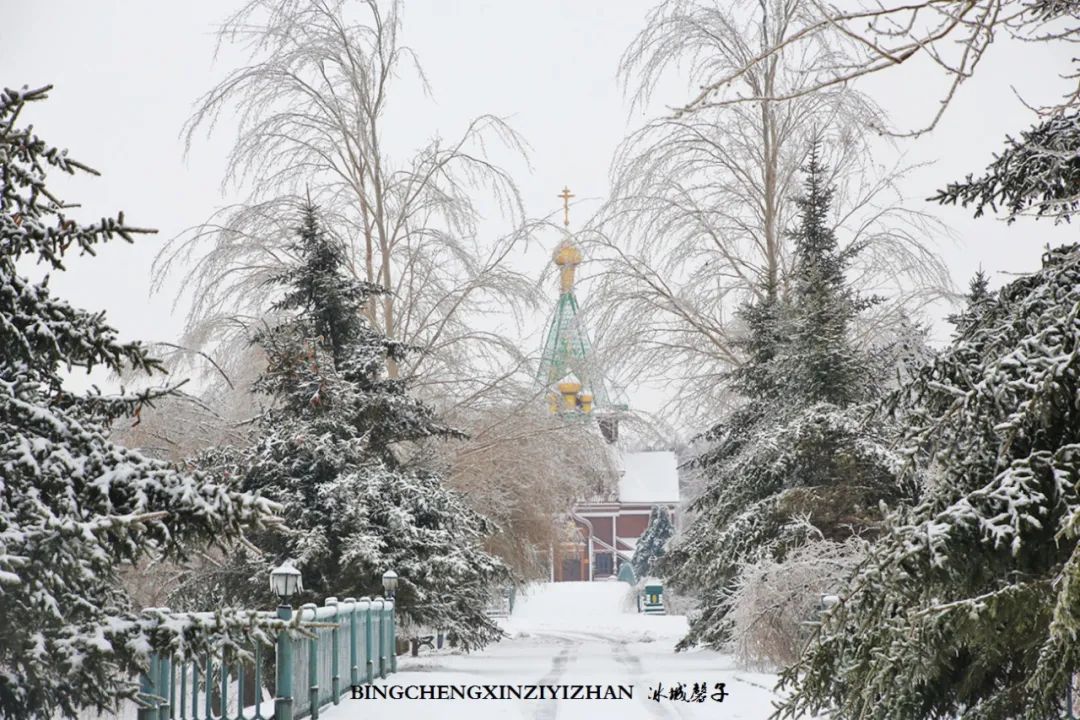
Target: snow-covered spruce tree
330	448
1039	172
74	506
977	299
650	546
819	363
803	443
969	606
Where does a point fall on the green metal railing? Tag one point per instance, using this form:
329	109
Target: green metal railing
210	687
344	643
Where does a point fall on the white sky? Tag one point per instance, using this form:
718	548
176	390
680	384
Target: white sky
127	73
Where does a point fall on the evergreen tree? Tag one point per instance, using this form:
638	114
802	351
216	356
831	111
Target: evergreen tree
74	506
1040	171
969	605
975	302
650	546
904	349
821	363
761	346
801	444
331	449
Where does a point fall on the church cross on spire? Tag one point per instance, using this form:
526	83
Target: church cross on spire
566	195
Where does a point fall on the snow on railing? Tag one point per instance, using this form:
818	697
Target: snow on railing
338	645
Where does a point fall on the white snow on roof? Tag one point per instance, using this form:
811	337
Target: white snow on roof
649	477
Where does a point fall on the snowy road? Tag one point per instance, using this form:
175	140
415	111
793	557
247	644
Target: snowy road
575	634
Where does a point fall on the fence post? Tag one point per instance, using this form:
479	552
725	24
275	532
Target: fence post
368	642
335	676
164	689
313	664
283	689
258	683
147	690
183	689
194	688
224	686
391	618
208	684
241	688
382	636
354	671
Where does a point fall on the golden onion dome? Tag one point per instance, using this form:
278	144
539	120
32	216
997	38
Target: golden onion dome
569	387
569	384
567	256
567	253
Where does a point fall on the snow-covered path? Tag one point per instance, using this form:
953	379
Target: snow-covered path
575	634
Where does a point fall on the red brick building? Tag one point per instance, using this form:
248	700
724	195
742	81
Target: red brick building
604	531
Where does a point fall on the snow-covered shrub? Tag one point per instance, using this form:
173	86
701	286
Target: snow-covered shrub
775	602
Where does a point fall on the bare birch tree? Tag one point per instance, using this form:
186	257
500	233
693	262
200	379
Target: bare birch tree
524	468
1035	174
954	35
702	201
311	106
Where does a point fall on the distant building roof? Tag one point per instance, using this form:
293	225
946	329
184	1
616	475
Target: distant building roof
649	477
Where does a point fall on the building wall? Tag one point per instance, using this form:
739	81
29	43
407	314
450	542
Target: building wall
571	560
603	527
631	526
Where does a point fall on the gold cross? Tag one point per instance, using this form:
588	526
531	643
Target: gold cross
566	205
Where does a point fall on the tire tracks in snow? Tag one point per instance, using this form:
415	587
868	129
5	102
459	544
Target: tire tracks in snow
550	708
633	664
622	656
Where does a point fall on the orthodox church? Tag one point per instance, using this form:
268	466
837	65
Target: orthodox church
598	533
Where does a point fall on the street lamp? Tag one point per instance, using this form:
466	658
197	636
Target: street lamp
389	583
285	581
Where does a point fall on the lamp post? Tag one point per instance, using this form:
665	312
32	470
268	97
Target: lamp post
389	583
285	581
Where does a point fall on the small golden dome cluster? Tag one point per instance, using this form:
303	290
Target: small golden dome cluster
570	397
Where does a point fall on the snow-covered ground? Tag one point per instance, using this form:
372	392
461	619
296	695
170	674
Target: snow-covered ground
574	634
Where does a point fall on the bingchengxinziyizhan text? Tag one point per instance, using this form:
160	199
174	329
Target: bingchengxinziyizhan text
492	692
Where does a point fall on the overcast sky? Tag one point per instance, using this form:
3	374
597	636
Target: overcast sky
127	73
